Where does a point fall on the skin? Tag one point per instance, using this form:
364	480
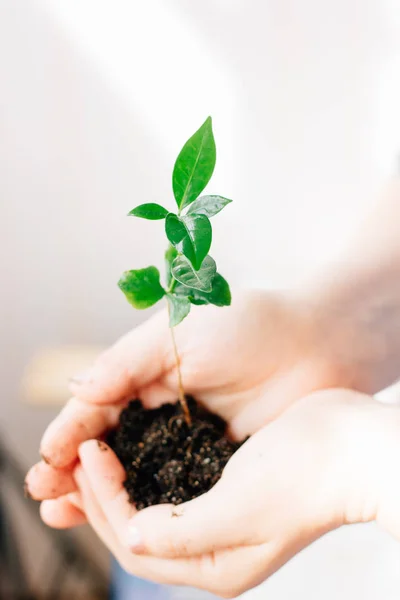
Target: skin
340	444
249	385
298	475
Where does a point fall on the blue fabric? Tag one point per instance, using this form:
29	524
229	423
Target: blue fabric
127	587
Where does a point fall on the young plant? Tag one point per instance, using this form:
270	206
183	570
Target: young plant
191	274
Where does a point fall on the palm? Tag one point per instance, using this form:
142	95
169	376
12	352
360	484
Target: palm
246	363
232	358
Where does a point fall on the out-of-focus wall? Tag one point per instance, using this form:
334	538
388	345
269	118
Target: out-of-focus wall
96	99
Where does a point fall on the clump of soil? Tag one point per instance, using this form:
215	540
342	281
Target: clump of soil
166	460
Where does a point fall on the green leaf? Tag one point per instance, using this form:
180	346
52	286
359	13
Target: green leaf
142	287
179	308
208	205
194	166
170	255
191	236
151	211
184	273
220	294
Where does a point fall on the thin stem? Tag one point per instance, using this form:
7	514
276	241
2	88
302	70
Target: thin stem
172	286
181	393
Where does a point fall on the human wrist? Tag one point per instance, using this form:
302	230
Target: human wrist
370	443
361	450
353	318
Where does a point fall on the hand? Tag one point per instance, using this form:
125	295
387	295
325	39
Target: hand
247	363
331	459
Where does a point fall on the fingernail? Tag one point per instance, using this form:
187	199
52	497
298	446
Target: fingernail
45	458
81	378
27	493
102	446
134	539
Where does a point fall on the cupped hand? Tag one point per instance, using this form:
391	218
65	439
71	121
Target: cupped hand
247	363
327	461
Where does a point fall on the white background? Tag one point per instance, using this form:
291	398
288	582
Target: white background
96	99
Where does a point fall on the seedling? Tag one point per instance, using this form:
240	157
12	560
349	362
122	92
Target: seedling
191	275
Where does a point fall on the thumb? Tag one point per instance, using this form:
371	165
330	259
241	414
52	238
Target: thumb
213	521
281	392
135	361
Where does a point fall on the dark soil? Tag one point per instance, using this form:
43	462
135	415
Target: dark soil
166	460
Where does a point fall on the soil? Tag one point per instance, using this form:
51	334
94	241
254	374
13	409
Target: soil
166	460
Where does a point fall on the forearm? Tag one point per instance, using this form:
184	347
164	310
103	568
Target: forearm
356	304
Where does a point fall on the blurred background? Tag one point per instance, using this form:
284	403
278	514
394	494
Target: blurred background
96	100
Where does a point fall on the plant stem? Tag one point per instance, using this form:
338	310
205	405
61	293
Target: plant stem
181	393
172	286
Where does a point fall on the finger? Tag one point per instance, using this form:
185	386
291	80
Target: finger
163	571
281	392
135	361
210	522
76	500
211	572
95	515
231	572
44	482
106	477
61	513
76	423
156	394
